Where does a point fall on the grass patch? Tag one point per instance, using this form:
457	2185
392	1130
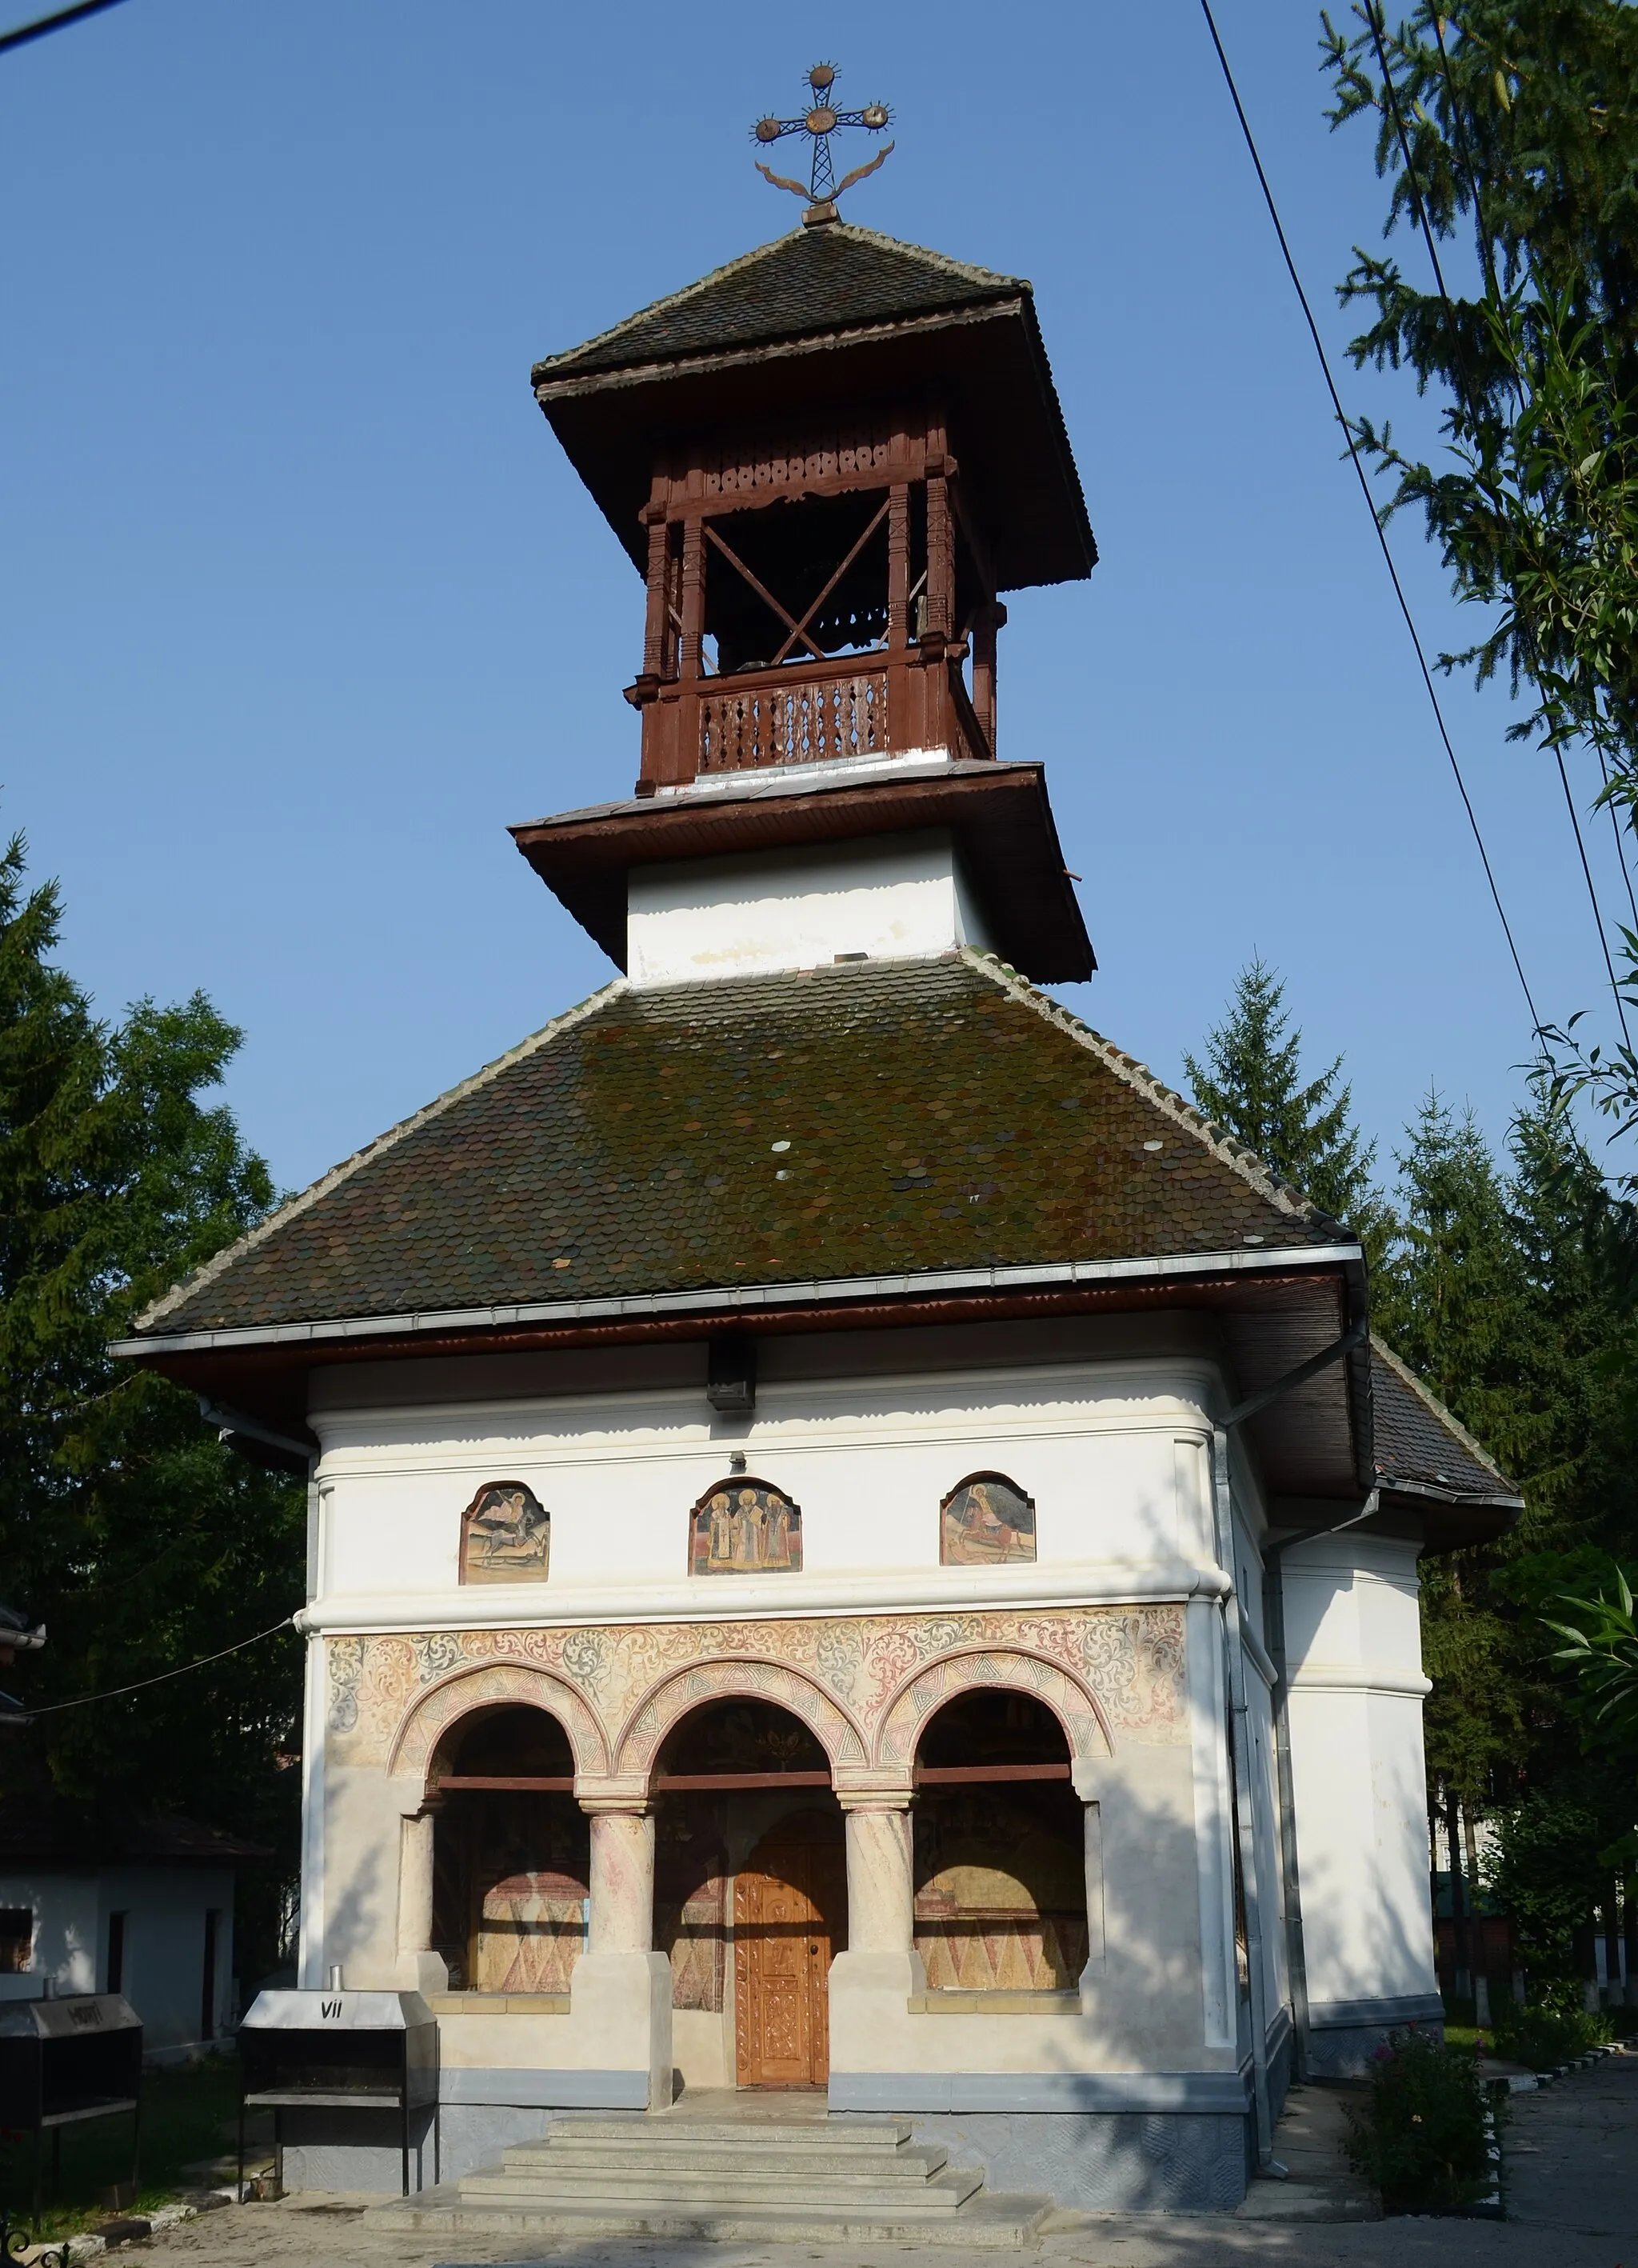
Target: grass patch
189	2111
1546	2034
1420	2135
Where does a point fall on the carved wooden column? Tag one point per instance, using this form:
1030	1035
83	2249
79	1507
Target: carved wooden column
691	655
985	624
941	558
654	638
900	731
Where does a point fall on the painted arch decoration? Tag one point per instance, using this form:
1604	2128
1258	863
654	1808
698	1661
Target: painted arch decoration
1073	1703
640	1741
480	1687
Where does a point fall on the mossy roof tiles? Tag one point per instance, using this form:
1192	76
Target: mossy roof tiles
850	1122
813	280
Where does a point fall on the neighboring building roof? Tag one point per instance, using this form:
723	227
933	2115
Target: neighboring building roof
1421	1449
938	1115
46	1835
815	279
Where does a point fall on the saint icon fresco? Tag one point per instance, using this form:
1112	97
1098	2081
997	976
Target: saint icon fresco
744	1527
985	1522
505	1536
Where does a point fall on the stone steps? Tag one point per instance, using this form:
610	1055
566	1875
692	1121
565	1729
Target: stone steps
724	2180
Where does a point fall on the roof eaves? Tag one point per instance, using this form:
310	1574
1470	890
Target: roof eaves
710	1300
1241	1160
231	1255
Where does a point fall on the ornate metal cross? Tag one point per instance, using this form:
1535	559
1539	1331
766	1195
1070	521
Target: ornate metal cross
819	123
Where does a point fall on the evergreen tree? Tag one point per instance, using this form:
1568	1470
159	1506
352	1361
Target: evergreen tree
124	1526
1250	1084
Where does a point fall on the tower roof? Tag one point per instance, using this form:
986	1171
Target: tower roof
814	280
759	340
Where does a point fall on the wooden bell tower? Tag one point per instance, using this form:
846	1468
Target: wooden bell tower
828	460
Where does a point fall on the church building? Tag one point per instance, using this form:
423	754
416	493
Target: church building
860	1550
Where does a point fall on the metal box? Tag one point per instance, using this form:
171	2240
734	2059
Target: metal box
337	2051
64	2062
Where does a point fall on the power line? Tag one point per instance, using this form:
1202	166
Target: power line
1364	486
1615	829
1419	206
59	22
142	1684
1604	942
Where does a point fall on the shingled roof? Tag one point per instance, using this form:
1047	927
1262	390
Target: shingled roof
838	1123
1421	1448
816	279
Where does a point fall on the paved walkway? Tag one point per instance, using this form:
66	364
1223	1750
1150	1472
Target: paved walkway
1572	2167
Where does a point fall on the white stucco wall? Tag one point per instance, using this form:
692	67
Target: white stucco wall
867	1458
890	898
1353	1639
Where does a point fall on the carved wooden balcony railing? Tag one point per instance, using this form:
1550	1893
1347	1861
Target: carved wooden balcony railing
813	712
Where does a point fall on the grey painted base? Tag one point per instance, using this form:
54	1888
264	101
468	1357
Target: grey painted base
1108	2161
1344	2035
356	2150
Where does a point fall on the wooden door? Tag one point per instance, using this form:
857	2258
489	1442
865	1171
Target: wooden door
790	1906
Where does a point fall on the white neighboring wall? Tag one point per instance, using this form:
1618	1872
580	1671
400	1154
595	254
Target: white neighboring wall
162	1967
894	897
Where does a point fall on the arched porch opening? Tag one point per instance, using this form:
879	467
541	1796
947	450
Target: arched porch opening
750	1898
511	1853
1000	1850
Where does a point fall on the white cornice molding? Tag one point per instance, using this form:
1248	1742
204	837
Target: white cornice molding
778	1598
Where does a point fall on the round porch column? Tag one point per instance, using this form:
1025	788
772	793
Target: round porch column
622	1883
881	1885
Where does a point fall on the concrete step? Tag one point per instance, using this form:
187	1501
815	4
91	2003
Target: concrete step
984	2223
666	2130
631	2191
910	2162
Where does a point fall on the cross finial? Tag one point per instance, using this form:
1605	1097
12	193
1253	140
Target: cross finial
819	121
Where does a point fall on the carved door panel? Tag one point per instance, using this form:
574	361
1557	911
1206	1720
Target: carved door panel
789	1918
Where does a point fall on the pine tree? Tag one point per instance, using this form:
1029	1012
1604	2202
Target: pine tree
124	1526
1250	1083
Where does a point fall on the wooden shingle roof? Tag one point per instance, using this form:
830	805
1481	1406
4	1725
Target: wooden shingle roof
932	1115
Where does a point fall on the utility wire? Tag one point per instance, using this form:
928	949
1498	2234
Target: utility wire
65	17
1615	829
1569	805
117	1691
1375	18
1364	486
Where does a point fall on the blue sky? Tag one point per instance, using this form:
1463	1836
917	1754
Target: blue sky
302	605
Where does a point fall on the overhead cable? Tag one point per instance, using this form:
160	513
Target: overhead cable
59	22
117	1692
1419	206
1364	485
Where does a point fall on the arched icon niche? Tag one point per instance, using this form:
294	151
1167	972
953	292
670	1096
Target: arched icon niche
745	1527
505	1536
986	1520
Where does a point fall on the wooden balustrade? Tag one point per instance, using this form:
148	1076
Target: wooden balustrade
813	713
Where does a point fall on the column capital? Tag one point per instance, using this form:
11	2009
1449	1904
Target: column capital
617	1793
873	1790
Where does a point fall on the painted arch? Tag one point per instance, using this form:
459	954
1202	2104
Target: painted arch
909	1709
